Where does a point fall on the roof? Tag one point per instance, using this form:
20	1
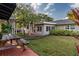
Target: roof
66	21
6	10
49	23
46	23
58	22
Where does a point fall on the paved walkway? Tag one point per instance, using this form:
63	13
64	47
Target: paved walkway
18	52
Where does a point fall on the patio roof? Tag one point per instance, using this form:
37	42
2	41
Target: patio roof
6	10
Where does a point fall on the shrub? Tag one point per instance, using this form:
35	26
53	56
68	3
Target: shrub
6	28
64	32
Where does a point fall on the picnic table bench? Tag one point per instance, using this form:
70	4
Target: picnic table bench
11	39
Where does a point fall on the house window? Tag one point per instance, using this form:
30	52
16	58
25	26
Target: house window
67	27
72	27
53	27
39	28
48	28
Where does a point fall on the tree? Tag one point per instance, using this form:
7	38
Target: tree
73	14
6	28
25	16
44	17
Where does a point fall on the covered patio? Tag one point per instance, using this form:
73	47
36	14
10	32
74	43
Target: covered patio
11	44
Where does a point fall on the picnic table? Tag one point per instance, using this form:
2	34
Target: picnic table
11	41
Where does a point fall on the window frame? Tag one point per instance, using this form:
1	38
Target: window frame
39	28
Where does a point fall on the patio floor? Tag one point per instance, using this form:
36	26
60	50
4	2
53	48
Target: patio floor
18	52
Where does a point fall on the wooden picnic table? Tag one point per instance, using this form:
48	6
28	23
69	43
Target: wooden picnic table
11	38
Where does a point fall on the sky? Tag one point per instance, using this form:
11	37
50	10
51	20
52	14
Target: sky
55	10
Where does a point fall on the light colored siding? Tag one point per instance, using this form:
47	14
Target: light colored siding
60	27
44	32
76	28
40	32
47	32
63	27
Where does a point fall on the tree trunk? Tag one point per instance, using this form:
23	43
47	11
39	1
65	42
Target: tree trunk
29	32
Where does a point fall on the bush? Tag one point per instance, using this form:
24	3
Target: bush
64	32
6	28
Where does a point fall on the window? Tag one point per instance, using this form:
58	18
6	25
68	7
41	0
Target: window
53	28
67	27
39	28
72	27
48	28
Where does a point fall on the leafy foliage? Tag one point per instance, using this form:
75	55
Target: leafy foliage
25	14
64	32
73	14
6	28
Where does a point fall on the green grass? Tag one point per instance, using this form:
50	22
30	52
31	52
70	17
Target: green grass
54	46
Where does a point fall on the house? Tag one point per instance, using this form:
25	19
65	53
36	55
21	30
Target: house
42	28
66	25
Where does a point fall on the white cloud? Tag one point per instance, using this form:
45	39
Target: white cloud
65	18
35	5
74	5
51	10
48	6
48	13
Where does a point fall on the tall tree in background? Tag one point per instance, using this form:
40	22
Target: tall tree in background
25	15
45	17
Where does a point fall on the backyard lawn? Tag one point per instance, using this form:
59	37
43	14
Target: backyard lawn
54	45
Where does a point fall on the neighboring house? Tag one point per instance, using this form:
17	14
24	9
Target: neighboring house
66	25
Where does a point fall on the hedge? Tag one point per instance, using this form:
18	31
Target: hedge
64	32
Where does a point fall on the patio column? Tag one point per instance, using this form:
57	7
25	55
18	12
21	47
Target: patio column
13	27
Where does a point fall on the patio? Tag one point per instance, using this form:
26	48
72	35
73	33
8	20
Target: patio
18	52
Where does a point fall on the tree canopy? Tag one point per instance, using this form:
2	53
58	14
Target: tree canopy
74	15
25	14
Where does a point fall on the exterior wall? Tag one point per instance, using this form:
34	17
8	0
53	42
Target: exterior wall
60	27
44	32
44	29
63	27
40	32
76	28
